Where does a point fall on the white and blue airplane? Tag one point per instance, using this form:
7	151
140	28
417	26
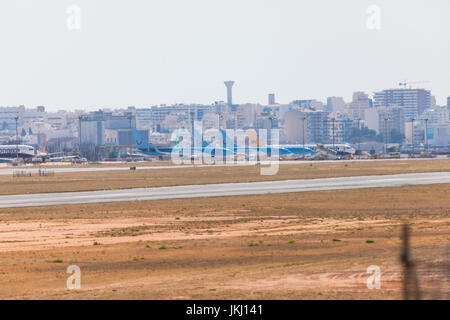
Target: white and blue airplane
226	149
166	151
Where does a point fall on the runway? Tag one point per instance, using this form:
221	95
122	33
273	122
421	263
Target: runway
226	189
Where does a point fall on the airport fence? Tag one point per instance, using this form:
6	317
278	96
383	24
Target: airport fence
21	173
45	173
24	173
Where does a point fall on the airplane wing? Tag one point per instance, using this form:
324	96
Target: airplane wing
49	154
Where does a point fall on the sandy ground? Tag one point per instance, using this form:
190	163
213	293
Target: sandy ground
311	245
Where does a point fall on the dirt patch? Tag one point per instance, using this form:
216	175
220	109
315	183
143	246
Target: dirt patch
311	245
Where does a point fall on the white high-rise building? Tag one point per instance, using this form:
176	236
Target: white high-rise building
359	105
436	115
415	101
336	104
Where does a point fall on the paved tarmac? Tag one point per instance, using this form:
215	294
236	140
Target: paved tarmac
226	189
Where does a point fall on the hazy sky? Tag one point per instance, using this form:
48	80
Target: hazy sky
146	52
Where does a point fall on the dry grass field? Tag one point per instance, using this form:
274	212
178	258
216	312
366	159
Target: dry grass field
312	245
107	180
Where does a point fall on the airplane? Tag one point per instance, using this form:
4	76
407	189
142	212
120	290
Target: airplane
73	159
255	147
166	151
342	149
163	152
147	149
9	153
235	150
43	156
282	150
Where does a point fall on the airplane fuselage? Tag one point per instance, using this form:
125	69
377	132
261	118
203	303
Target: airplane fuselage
13	151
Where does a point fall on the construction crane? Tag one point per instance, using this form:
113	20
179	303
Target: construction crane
405	83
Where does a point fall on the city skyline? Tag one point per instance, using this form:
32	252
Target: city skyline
394	115
174	52
224	99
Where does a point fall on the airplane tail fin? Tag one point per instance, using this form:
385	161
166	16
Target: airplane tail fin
44	146
225	138
198	139
140	141
254	139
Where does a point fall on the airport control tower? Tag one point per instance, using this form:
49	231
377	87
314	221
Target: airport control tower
229	85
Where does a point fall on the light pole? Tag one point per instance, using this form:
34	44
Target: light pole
191	116
332	120
426	135
80	118
131	134
303	136
219	118
271	118
412	135
359	138
17	140
386	135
